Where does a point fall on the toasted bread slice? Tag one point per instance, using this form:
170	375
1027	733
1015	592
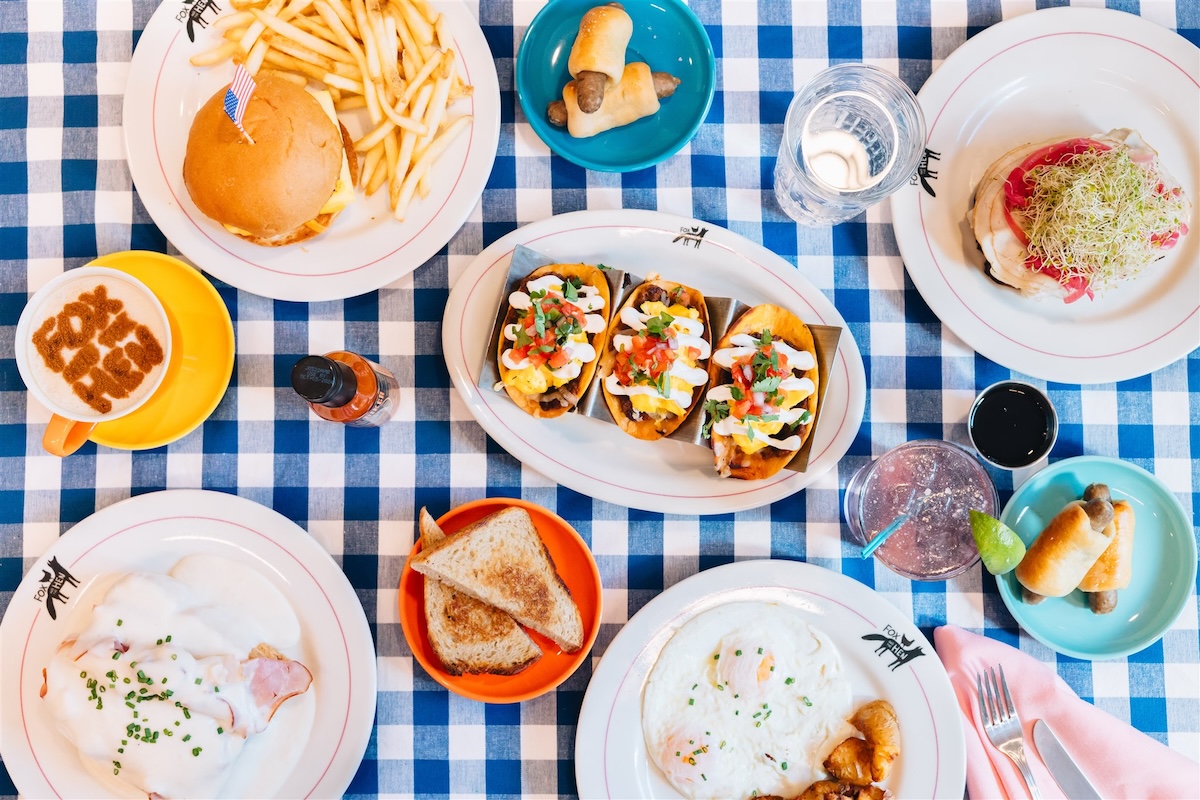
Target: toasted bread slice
468	635
502	561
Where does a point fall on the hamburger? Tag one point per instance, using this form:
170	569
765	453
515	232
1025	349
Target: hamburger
1068	218
288	185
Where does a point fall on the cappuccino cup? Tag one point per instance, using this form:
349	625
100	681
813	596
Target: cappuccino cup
92	345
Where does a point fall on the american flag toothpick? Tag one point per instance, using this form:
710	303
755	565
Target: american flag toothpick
238	97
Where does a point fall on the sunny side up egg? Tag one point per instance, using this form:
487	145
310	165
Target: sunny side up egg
745	698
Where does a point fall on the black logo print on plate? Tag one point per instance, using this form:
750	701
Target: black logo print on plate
896	645
53	579
193	12
693	235
924	174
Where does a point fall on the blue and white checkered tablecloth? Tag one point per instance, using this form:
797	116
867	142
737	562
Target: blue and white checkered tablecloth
66	196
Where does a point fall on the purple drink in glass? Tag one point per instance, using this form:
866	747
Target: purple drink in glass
936	483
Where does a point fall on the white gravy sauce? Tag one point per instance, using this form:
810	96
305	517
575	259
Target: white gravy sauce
174	714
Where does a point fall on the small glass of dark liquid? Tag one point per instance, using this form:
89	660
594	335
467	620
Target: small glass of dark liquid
1012	424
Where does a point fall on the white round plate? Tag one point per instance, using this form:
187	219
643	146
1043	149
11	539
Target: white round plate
596	458
1038	76
365	248
884	655
150	533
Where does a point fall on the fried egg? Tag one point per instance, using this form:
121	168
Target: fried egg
745	699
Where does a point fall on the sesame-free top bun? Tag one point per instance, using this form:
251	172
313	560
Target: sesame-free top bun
274	186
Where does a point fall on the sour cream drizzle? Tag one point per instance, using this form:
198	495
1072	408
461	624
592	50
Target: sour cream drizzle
156	690
684	332
745	346
578	353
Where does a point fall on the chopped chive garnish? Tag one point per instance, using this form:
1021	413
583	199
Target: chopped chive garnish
717	657
159	642
737	652
188	738
220	729
197	681
196	751
789	681
784	765
83	674
168	637
807	702
120	622
760	651
691	701
117	655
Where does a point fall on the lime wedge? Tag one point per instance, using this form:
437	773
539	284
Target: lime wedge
999	546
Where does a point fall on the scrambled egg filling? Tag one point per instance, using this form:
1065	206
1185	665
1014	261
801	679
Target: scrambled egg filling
764	429
539	379
656	404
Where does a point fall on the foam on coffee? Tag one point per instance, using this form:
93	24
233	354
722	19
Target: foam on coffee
95	346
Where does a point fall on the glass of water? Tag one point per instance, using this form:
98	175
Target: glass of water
853	135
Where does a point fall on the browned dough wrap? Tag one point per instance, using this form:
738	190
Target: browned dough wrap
1114	569
631	99
604	33
556	111
1067	548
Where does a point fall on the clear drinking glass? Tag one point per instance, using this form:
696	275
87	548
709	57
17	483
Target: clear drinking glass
933	483
853	135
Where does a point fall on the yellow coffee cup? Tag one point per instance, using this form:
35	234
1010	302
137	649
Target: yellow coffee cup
92	345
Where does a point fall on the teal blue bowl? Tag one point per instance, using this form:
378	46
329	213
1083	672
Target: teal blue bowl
1164	560
666	35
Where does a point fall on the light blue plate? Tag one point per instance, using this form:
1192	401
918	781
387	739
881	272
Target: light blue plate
1164	560
666	35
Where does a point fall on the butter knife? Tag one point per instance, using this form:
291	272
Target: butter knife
1061	766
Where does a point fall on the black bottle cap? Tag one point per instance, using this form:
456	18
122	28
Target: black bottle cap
324	381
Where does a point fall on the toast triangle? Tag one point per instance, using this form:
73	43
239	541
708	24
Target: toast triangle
466	634
500	560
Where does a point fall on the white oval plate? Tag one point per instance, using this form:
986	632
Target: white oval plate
596	458
896	664
1056	73
365	248
151	532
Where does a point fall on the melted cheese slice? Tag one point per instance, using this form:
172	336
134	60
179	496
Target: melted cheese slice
343	192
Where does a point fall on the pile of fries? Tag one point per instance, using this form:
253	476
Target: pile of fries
390	57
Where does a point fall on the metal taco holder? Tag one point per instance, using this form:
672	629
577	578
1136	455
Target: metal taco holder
722	311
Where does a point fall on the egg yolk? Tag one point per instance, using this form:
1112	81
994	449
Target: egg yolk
743	668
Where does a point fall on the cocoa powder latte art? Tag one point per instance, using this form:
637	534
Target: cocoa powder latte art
95	344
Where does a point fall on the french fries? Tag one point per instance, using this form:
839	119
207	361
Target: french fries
394	59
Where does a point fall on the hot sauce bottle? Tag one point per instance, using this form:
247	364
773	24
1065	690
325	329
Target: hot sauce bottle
345	387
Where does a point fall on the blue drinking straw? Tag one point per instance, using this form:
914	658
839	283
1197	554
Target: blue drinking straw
871	546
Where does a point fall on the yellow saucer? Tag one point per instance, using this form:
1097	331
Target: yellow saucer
201	353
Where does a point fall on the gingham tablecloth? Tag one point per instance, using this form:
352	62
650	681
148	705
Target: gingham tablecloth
66	196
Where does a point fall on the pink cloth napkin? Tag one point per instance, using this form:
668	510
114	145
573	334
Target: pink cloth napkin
1120	761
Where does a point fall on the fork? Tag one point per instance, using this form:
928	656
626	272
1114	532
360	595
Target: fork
1002	724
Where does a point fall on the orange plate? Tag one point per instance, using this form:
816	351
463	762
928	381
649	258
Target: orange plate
575	564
